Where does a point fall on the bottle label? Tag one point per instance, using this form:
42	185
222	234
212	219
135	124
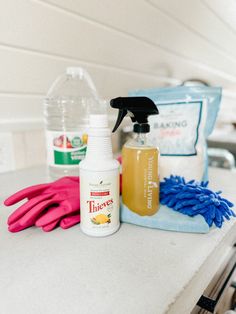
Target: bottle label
65	148
99	201
140	181
176	129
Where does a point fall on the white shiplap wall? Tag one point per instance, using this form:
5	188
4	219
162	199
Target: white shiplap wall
123	44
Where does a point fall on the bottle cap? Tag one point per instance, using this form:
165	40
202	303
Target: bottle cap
98	121
75	71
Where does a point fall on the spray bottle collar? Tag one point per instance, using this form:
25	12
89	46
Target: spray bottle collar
141	128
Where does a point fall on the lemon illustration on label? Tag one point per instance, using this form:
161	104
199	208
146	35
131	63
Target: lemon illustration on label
101	219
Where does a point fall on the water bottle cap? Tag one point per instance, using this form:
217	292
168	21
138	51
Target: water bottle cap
74	71
98	121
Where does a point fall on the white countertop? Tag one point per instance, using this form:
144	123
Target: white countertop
137	270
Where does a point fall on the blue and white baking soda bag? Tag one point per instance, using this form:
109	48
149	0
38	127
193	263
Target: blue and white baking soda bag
186	118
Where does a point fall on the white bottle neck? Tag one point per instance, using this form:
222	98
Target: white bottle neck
99	148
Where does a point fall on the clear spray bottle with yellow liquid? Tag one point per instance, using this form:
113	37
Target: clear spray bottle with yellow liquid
140	177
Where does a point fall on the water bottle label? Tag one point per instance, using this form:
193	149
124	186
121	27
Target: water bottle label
65	148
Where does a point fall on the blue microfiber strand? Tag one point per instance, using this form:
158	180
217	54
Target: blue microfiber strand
193	198
166	219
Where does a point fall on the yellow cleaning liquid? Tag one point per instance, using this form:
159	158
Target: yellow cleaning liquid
140	180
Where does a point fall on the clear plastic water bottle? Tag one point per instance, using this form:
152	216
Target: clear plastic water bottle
70	100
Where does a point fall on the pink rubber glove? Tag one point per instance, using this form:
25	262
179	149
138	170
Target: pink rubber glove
55	200
65	223
66	207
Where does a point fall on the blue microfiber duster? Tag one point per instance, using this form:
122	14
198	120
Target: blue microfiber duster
193	198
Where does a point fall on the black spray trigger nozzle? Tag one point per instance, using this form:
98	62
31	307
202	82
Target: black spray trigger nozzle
122	113
138	109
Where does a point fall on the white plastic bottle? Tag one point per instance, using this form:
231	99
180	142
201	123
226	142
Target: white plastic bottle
70	100
99	182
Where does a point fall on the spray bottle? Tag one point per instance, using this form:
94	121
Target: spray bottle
140	177
99	182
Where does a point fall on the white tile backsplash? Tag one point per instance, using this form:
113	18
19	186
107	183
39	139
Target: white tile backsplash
22	149
35	147
7	160
19	150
